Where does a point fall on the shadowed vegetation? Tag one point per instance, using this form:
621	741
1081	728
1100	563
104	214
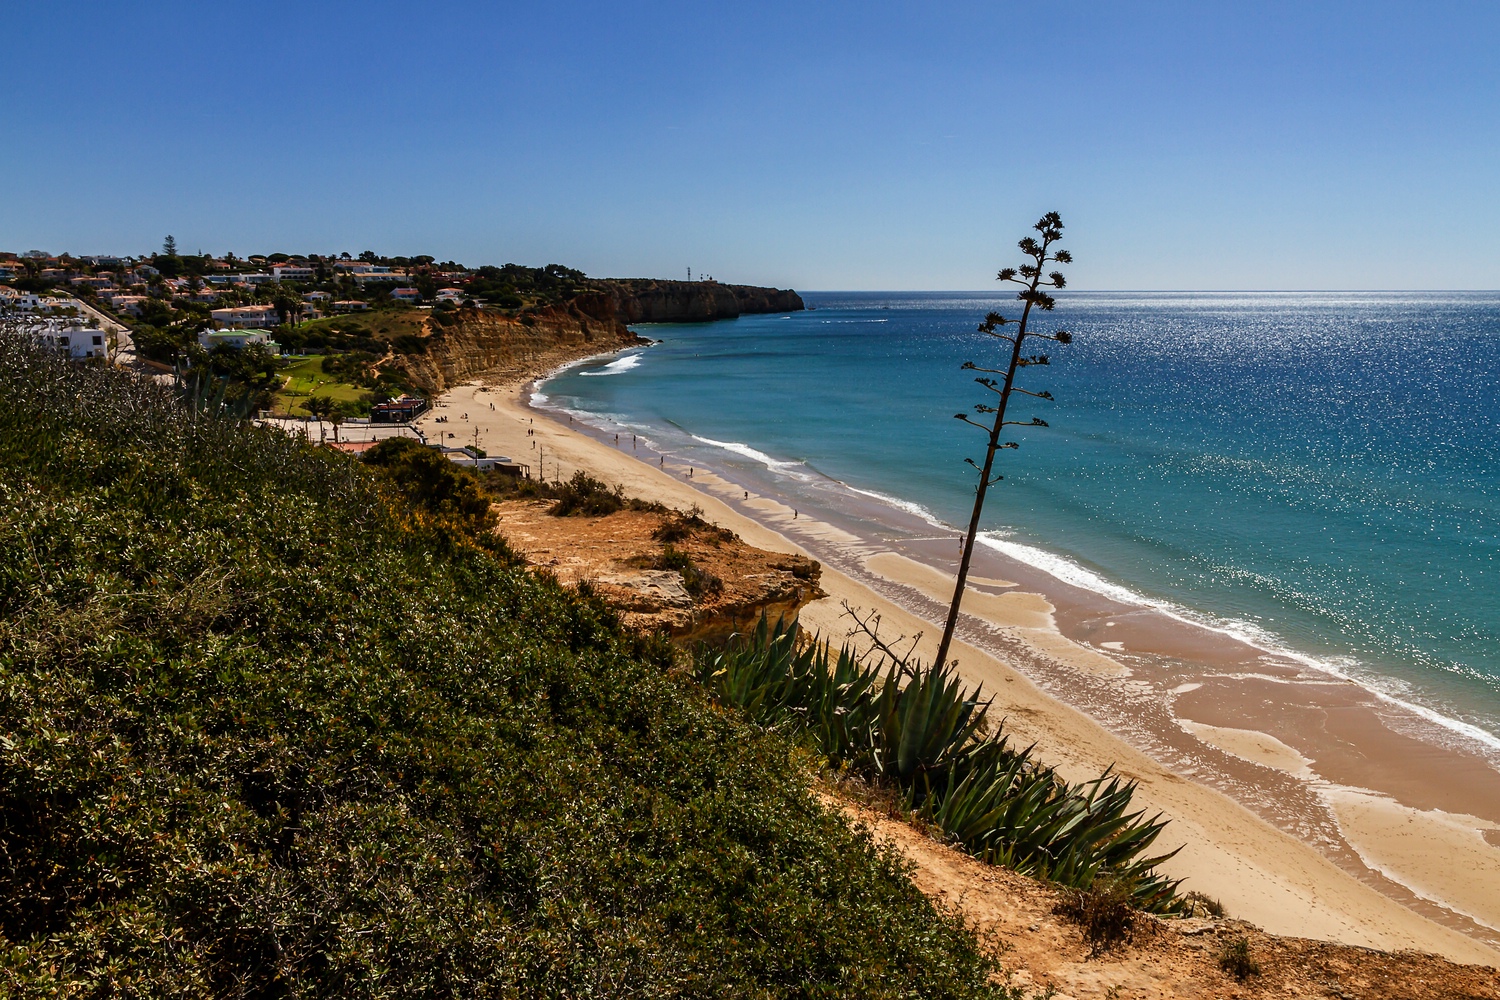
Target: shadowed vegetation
264	733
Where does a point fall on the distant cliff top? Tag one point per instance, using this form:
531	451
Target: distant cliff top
649	300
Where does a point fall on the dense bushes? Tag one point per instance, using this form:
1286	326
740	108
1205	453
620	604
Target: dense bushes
260	735
434	491
586	496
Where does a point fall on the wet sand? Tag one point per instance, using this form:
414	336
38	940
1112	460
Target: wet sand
1305	804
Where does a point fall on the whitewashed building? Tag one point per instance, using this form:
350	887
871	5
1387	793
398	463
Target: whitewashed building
246	317
238	339
77	342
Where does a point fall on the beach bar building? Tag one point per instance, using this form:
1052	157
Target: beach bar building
398	411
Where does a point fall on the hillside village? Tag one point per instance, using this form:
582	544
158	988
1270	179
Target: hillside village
267	323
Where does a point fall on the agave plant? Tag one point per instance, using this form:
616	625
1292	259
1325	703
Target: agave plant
927	739
924	724
773	681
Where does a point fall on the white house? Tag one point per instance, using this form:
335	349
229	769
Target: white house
128	303
467	458
28	302
454	295
408	295
87	342
238	339
288	272
246	317
76	342
14	301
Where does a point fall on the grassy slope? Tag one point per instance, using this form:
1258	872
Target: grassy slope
261	736
382	324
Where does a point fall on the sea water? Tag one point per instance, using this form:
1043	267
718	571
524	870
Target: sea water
1317	471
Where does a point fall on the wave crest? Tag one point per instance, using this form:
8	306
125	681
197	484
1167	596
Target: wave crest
616	367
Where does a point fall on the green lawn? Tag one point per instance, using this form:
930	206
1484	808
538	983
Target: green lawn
304	379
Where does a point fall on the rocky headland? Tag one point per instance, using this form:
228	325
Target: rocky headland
467	343
646	300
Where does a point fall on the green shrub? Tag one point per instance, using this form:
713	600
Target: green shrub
409	343
679	526
263	735
1104	911
434	489
699	582
587	496
1235	959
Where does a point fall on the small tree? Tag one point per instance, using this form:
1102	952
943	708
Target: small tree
288	305
320	407
1034	281
169	246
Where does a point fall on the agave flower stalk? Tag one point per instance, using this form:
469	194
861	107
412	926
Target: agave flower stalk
1034	282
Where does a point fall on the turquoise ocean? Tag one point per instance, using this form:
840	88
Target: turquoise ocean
1318	472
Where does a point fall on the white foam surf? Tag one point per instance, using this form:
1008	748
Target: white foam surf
1248	633
915	509
617	367
754	454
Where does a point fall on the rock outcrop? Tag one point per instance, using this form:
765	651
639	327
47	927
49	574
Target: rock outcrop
702	586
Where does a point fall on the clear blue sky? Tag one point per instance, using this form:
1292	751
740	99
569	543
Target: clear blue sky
814	145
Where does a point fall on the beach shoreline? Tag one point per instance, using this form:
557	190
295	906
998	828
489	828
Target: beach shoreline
1094	683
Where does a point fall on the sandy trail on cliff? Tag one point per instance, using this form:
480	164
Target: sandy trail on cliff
1260	874
1041	948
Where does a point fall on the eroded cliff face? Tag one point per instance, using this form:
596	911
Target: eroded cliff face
490	343
486	343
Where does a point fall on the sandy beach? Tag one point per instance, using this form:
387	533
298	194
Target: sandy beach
1304	804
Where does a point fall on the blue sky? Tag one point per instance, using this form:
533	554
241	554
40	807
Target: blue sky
820	146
